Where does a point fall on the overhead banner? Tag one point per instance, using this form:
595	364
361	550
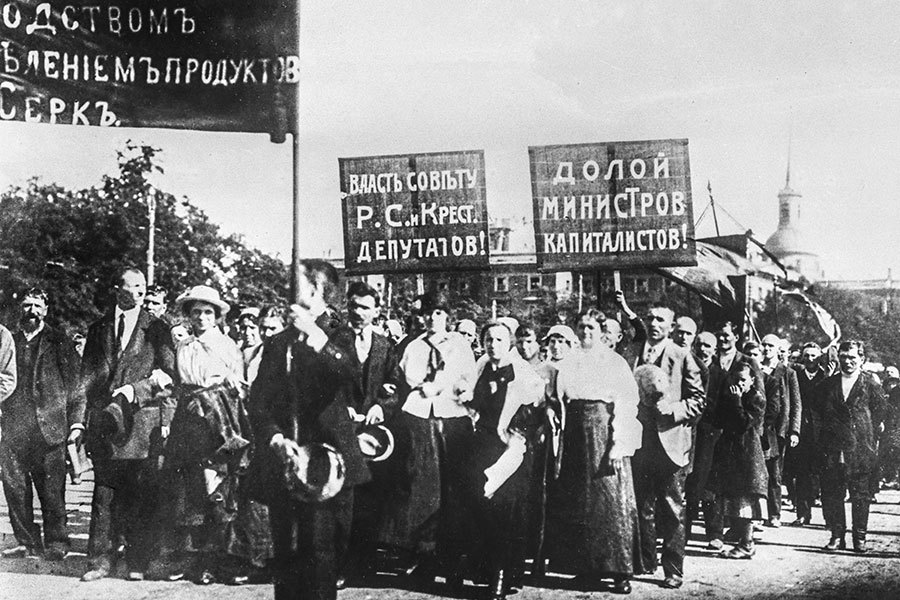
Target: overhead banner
222	65
415	213
612	205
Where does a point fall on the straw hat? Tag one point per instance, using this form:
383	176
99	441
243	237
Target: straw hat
202	293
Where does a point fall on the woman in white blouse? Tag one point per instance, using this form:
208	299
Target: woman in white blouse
209	442
592	514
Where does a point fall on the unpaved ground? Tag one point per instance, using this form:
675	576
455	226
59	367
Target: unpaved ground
788	563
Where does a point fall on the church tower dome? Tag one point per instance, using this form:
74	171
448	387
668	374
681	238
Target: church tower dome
787	243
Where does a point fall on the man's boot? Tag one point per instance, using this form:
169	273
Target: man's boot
859	510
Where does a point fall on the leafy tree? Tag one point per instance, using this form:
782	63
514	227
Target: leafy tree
862	316
72	244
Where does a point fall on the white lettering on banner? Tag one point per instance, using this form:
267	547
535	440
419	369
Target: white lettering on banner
56	110
363	213
594	242
94	19
416	181
103	68
421	248
591	169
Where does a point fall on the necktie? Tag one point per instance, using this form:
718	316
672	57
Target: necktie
120	334
361	351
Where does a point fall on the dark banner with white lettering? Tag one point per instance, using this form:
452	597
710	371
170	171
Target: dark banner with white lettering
612	205
221	65
415	213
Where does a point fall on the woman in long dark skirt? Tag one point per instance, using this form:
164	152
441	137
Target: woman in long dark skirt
504	404
592	514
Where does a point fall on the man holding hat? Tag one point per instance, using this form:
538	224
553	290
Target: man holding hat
295	403
128	360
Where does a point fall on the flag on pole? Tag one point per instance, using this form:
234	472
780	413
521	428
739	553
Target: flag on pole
826	321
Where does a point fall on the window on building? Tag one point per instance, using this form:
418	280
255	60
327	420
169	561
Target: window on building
501	284
534	283
443	285
640	285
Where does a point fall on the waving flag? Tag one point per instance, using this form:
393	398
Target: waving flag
826	321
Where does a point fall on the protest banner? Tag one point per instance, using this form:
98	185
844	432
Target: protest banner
415	213
222	65
612	205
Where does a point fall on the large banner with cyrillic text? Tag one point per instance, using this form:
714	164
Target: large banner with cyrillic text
415	212
612	205
224	65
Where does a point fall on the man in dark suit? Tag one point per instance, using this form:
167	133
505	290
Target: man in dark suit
852	407
800	468
37	420
369	395
787	422
296	400
664	459
725	364
128	360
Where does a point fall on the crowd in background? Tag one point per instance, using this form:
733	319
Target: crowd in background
434	448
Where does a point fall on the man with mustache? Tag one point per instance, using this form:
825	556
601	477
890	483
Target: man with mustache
38	418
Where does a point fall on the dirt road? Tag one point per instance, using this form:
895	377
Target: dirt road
789	563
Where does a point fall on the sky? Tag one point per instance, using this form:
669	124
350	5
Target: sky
743	82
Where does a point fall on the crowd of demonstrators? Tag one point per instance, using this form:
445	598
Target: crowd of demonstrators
314	449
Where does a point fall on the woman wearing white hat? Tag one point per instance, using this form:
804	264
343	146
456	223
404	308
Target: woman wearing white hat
592	514
209	442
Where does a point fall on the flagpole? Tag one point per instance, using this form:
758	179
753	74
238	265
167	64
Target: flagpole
295	159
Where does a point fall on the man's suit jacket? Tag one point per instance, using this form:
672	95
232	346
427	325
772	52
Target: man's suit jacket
676	432
295	384
7	364
149	348
848	427
789	418
52	396
365	388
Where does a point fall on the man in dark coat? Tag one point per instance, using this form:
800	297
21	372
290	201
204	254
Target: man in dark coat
128	361
786	393
36	422
296	400
800	463
370	394
852	405
664	459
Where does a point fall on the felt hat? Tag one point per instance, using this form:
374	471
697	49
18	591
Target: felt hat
314	472
376	442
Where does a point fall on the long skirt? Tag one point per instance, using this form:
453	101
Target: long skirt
592	521
425	511
501	522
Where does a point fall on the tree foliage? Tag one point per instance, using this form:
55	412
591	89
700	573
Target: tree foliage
870	318
73	243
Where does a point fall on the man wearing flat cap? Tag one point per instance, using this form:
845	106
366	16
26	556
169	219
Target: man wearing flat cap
128	361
